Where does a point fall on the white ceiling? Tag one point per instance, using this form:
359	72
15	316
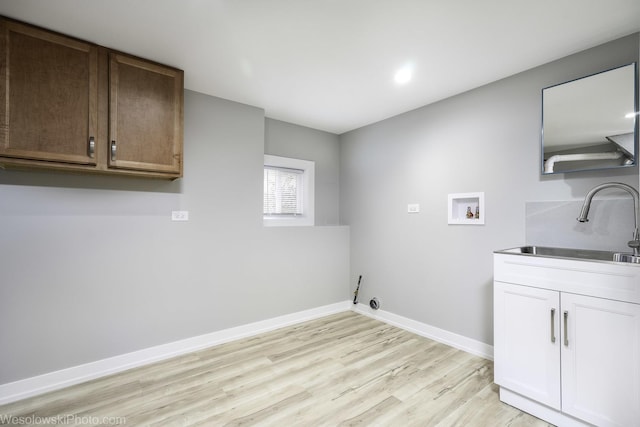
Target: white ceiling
329	64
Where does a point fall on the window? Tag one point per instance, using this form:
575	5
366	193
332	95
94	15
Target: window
283	191
288	191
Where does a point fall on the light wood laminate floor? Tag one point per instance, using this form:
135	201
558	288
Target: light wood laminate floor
341	370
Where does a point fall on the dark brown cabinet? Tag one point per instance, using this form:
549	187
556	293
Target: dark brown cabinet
145	115
48	102
72	105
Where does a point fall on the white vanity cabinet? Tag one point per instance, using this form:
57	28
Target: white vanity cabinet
567	339
527	360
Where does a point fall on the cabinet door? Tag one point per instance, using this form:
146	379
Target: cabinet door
145	115
527	342
601	360
48	95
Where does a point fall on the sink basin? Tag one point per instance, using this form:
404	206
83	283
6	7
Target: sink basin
570	253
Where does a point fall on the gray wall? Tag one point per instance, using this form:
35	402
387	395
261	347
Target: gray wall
289	140
92	266
610	226
484	140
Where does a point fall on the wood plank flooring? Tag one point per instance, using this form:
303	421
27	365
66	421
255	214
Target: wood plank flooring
342	370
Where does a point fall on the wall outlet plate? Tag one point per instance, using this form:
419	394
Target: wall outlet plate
413	208
179	215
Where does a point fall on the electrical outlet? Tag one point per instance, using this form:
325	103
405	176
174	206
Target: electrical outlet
413	208
179	215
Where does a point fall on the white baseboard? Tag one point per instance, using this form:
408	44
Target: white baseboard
539	410
33	386
449	338
40	384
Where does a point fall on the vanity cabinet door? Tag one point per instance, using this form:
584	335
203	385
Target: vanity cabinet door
527	341
601	360
48	96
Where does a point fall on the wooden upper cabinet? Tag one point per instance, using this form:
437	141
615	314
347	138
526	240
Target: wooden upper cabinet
72	105
48	95
145	115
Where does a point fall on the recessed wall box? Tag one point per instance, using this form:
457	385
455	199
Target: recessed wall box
466	208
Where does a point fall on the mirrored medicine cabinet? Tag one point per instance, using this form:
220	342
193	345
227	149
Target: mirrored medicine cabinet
591	122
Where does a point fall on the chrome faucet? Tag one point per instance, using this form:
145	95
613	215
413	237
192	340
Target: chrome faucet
584	212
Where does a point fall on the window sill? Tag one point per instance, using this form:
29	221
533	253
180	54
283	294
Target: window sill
287	222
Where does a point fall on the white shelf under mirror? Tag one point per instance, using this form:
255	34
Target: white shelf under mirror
466	208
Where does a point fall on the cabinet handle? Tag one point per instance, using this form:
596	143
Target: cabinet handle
566	334
553	318
91	149
113	151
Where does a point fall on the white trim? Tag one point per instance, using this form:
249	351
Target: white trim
539	410
449	338
33	386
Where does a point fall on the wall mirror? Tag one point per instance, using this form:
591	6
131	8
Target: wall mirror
591	122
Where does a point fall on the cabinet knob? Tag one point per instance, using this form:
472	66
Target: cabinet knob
566	329
113	151
91	148
553	321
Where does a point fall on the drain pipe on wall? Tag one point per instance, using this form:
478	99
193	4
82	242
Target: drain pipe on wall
551	161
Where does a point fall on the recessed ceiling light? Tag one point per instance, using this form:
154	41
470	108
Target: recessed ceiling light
403	75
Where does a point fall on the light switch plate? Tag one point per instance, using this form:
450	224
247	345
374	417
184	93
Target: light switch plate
179	215
413	208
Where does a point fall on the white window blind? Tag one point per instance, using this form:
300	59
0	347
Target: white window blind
283	191
288	192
